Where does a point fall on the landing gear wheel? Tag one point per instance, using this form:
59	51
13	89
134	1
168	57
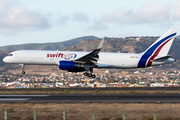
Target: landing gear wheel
23	72
89	75
85	74
93	76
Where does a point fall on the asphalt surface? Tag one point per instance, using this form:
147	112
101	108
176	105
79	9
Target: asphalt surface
91	98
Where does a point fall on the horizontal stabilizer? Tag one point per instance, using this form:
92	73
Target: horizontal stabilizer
162	58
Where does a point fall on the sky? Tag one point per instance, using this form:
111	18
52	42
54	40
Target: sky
42	21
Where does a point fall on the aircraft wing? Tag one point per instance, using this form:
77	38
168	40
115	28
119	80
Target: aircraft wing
92	57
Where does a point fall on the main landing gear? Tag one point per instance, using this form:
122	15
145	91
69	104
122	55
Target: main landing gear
89	71
22	66
90	75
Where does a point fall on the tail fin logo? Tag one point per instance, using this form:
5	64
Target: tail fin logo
153	51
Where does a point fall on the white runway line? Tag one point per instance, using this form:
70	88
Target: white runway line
23	95
14	99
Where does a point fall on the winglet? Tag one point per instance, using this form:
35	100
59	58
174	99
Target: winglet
101	44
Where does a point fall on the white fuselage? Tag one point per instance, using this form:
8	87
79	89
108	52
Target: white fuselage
106	60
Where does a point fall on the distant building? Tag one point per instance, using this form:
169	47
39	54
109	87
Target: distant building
157	85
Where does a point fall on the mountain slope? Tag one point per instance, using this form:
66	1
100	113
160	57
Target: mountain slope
47	46
178	37
2	55
113	45
123	45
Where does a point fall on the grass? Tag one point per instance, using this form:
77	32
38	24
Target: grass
118	118
44	110
11	109
45	90
105	118
131	92
4	91
31	103
29	90
84	111
146	118
96	91
66	90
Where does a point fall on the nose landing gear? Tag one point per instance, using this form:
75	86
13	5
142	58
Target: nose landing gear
23	72
22	66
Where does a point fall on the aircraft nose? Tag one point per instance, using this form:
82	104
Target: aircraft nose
5	59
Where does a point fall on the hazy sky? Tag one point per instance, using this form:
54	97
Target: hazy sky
40	21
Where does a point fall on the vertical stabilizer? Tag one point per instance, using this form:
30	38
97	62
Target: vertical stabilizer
159	48
162	44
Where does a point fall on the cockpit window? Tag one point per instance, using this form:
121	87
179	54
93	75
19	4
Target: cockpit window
10	55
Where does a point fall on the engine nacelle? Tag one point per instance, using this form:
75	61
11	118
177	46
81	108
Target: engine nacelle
68	65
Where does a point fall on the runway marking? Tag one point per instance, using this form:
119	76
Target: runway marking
14	99
24	95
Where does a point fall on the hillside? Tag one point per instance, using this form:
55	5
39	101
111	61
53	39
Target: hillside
2	55
178	37
47	46
122	45
113	45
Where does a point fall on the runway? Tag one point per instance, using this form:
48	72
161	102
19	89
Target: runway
91	98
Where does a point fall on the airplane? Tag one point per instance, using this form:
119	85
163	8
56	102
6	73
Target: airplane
78	61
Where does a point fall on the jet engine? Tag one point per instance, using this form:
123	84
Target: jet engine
69	65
